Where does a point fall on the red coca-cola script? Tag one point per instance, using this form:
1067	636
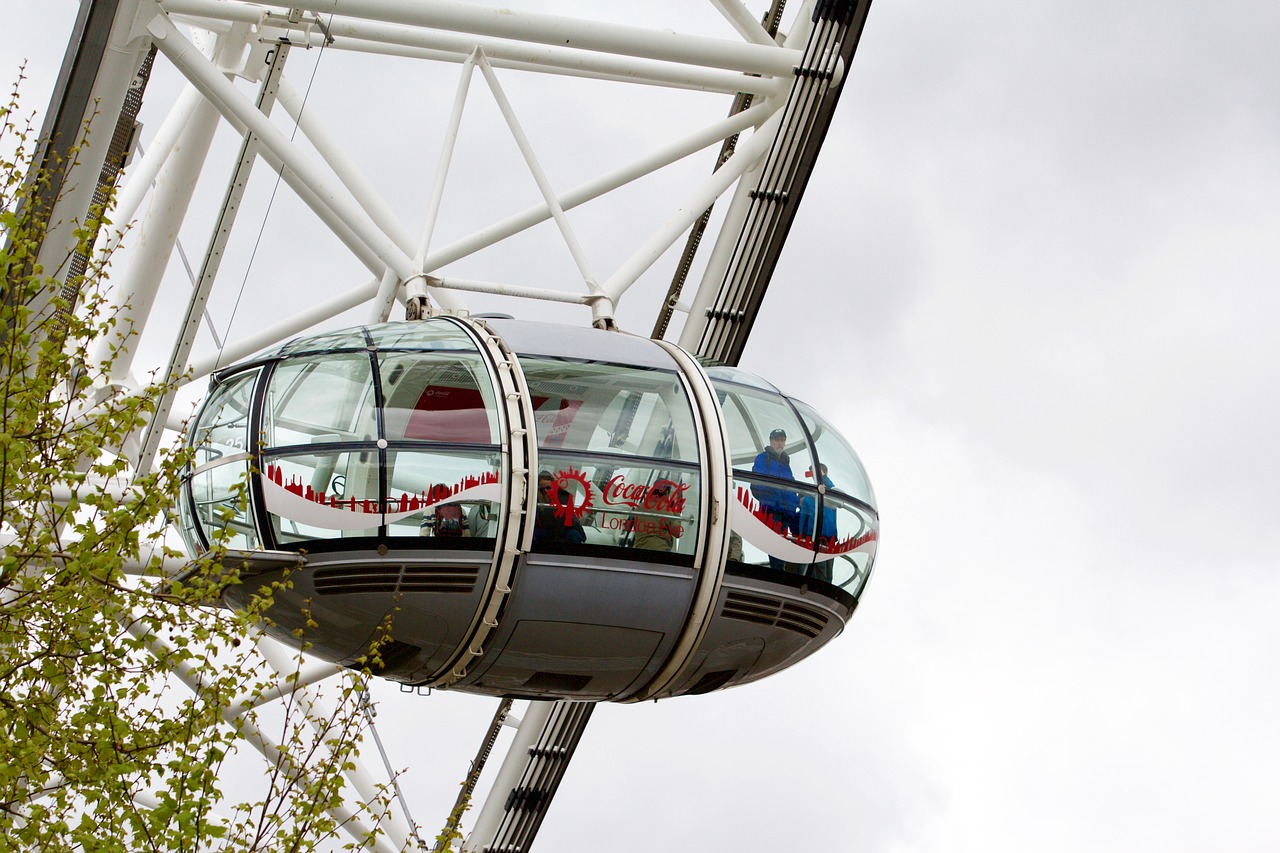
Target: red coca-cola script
662	496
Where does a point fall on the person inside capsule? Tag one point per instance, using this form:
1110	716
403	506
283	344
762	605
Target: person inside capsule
658	528
826	532
555	520
778	504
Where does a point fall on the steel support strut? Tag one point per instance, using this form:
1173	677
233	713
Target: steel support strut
765	202
87	133
529	777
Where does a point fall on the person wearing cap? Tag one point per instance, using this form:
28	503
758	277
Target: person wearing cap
778	504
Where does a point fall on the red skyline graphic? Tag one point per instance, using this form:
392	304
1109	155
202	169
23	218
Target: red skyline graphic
840	546
405	503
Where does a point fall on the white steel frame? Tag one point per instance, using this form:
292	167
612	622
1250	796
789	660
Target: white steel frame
214	43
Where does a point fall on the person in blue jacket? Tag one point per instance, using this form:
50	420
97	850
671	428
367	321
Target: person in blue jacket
778	503
826	533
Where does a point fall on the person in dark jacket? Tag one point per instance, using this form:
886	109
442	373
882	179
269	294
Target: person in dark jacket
826	532
778	503
547	525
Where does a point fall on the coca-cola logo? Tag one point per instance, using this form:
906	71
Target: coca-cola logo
572	495
661	496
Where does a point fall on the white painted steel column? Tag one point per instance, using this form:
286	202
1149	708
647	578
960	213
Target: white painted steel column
746	23
382	305
384	298
142	173
531	727
732	228
515	290
446	159
368	36
345	168
712	277
120	62
134	292
299	321
433	45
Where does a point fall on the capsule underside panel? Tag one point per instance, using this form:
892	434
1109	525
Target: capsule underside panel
414	611
759	628
578	628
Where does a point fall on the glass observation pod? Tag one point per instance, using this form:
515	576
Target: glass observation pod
531	511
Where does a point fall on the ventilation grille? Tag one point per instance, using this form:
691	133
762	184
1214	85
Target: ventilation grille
438	579
767	610
345	580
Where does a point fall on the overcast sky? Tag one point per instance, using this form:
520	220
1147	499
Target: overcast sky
1035	283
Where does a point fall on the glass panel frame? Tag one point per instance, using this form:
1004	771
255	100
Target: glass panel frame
339	340
751	416
421	478
420	336
222	428
222	506
331	494
601	407
845	472
766	534
847	557
444	398
631	503
320	399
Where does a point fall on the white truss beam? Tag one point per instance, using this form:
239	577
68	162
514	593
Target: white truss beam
311	184
524	26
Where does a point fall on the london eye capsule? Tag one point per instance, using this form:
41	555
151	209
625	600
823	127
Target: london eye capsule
530	511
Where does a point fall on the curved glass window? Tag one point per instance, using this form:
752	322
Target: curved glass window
357	439
752	417
224	421
393	431
338	495
788	513
320	399
618	454
438	397
846	545
594	406
771	472
343	339
741	377
221	504
419	336
218	491
418	430
594	500
843	469
323	495
422	481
